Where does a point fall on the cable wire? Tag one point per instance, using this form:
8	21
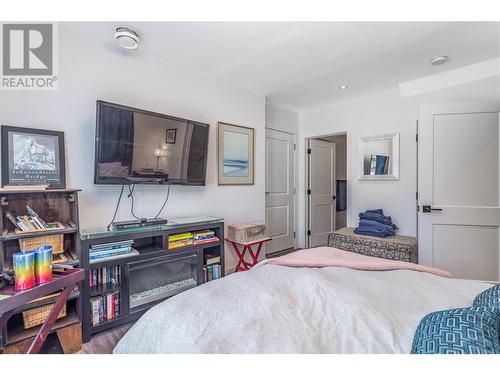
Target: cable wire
116	209
164	203
131	196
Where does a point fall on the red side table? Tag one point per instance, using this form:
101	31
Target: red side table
243	265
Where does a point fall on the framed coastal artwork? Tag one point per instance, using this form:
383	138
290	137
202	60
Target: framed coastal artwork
235	154
33	157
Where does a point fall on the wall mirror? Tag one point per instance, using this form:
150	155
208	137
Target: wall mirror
379	157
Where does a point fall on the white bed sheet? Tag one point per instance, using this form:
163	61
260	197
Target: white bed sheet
276	309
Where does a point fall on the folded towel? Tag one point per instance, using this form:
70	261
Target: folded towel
372	233
376	211
370	224
378	218
374	228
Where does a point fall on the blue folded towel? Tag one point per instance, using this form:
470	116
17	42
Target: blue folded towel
375	223
376	211
377	217
370	224
371	233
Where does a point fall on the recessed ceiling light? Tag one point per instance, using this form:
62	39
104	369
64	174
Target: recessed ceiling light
439	60
126	38
342	87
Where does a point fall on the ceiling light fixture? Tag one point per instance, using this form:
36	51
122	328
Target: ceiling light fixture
342	87
439	60
126	38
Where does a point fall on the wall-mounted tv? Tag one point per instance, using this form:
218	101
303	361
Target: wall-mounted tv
141	147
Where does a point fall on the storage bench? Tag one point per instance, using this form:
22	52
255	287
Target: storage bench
401	248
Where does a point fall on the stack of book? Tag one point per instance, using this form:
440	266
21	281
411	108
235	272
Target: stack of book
110	249
29	222
105	307
204	236
104	275
180	240
212	272
212	269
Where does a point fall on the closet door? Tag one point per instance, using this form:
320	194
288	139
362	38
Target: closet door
280	196
321	192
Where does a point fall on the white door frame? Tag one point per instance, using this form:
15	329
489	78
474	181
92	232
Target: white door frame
306	176
295	182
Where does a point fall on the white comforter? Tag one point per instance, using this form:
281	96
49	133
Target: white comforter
277	309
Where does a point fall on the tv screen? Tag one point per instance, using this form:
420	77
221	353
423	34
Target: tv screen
140	147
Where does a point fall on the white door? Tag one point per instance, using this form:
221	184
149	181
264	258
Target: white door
459	192
280	195
321	192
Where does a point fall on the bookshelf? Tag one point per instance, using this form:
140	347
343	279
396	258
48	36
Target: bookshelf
53	205
151	274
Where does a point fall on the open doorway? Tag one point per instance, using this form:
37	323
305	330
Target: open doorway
326	187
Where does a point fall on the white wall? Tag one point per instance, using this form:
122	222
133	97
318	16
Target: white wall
281	119
90	69
382	113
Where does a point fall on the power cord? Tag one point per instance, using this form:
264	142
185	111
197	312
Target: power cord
131	196
164	203
116	209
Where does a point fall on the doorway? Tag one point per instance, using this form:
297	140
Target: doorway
326	187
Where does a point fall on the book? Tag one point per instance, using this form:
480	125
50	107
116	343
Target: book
208	240
212	259
104	308
203	235
94	310
111	251
101	255
180	243
180	236
129	254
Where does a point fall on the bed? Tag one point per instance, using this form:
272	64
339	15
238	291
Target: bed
300	303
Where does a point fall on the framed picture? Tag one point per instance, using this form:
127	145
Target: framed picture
33	157
171	135
235	155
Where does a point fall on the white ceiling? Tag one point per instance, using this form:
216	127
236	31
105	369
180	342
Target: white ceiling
299	65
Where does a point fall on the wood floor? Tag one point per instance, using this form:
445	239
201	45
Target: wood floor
104	342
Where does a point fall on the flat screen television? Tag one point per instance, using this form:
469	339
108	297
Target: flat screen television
141	147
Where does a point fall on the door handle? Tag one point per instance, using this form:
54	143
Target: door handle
334	197
427	208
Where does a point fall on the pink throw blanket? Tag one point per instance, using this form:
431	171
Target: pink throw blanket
331	257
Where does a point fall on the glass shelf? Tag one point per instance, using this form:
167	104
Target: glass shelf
93	233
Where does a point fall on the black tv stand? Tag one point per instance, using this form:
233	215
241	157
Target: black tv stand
152	264
137	223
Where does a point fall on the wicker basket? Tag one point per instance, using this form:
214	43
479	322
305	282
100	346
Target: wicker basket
54	240
35	317
246	232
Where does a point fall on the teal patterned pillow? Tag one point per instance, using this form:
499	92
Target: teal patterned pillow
490	298
469	330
